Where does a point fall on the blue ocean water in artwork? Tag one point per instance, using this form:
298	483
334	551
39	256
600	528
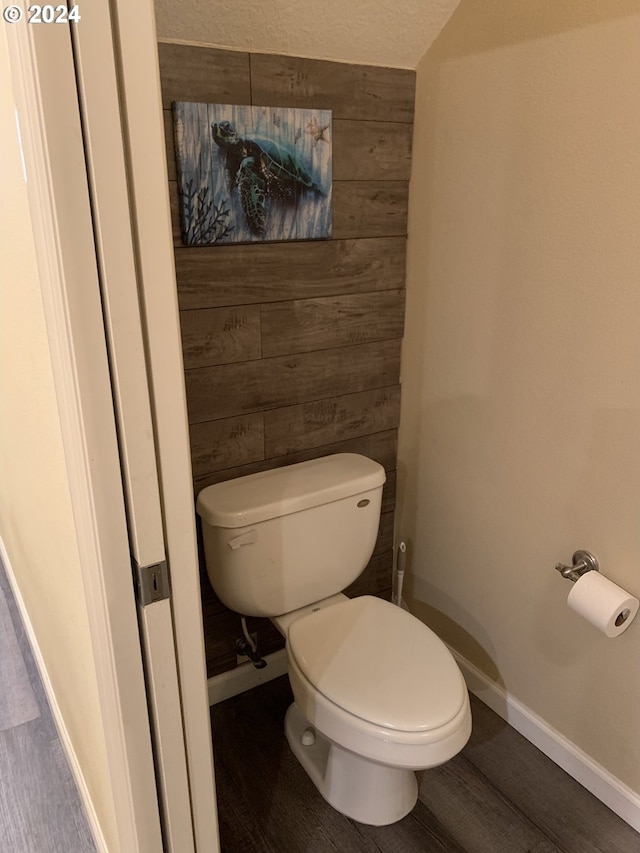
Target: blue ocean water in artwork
248	174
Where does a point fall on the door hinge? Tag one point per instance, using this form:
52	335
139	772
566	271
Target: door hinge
151	582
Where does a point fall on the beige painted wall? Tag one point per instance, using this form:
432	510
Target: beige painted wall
373	32
520	426
36	522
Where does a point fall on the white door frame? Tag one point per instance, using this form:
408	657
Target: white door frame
47	106
47	101
103	141
134	26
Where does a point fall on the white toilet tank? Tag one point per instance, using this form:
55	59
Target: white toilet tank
282	539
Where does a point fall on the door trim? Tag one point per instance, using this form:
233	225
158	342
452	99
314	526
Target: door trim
46	98
104	146
139	78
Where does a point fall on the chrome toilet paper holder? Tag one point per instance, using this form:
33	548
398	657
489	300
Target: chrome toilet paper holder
582	562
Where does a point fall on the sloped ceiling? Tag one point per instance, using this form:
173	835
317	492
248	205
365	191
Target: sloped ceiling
371	32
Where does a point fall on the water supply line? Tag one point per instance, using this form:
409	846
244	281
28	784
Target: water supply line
247	647
401	561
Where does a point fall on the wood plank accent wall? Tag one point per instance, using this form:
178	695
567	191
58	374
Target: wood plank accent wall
292	350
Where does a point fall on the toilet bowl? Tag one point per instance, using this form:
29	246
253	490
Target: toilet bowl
377	694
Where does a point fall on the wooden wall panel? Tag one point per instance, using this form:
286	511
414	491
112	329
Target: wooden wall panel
314	424
209	277
371	151
384	542
224	443
234	389
172	169
351	91
175	214
370	209
389	492
292	350
203	74
331	321
220	335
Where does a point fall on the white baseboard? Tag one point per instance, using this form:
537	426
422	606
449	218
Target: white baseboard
591	775
65	740
245	676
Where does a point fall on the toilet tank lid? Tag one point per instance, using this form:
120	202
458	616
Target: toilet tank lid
281	491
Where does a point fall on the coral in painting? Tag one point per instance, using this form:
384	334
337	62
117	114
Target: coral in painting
205	221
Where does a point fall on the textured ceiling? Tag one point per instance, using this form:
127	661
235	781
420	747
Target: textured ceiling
371	32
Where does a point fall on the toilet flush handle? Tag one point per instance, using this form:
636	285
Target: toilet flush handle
246	538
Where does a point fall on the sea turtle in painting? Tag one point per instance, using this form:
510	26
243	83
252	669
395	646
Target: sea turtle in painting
261	169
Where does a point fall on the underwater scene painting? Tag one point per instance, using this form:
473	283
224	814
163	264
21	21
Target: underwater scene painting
248	174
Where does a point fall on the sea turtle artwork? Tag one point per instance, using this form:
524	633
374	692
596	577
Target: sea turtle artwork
252	174
263	170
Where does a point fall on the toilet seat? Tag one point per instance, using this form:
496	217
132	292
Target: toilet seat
378	662
377	681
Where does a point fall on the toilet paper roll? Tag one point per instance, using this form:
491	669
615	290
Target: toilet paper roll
607	606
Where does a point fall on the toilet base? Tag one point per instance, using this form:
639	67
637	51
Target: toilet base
361	789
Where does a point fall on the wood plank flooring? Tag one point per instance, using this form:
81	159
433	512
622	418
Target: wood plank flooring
40	809
500	795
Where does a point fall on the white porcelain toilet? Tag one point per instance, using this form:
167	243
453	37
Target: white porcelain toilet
377	694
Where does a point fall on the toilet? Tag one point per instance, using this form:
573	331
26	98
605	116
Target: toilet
377	695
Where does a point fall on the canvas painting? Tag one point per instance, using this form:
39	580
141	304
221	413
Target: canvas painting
248	174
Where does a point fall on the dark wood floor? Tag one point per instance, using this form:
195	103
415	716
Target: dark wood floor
500	795
40	809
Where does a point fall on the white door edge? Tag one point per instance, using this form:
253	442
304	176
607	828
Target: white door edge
104	145
135	36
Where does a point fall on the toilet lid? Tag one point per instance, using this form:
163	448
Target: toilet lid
378	662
